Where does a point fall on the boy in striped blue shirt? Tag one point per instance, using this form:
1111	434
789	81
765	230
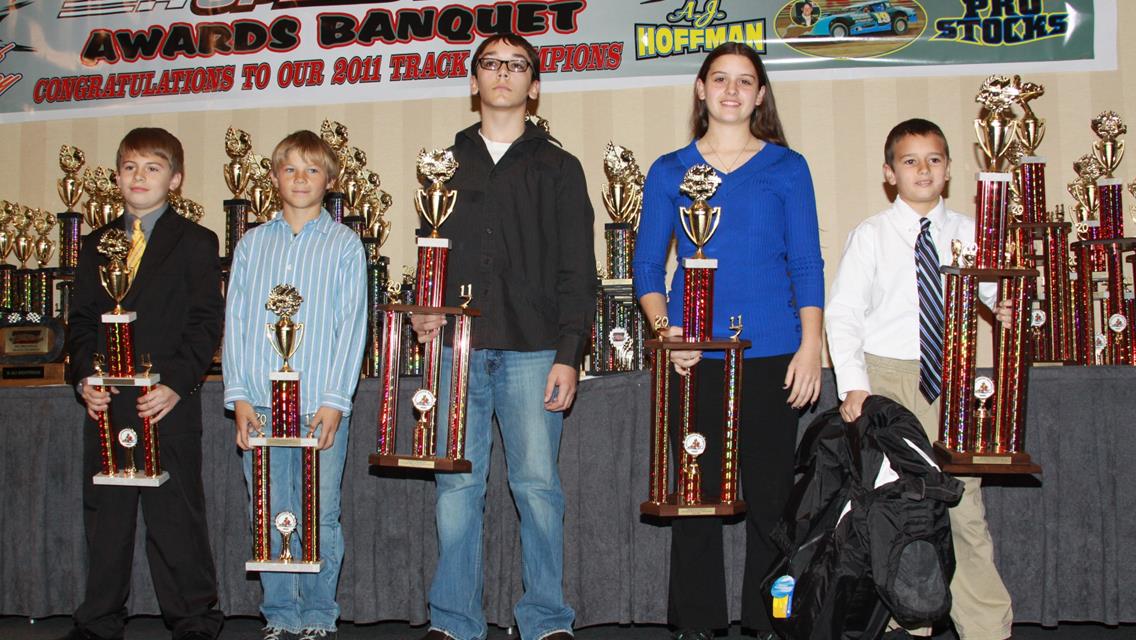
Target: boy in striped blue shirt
304	247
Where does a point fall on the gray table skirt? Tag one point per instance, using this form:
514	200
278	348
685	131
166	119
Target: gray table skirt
1059	541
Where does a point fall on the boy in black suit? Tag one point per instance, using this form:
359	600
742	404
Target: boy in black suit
177	294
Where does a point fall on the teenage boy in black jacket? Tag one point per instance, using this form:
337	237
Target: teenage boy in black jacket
522	236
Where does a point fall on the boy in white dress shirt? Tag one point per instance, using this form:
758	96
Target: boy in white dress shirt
873	323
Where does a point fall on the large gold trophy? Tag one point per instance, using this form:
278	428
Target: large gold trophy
435	204
1103	302
116	279
620	330
285	336
699	221
237	172
975	438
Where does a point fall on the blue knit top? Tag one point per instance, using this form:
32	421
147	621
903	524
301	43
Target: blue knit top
767	245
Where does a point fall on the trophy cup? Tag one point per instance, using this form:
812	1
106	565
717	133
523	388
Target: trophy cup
263	199
335	135
238	146
1102	300
39	289
975	438
8	295
104	201
70	188
434	204
116	279
376	230
620	330
285	336
699	222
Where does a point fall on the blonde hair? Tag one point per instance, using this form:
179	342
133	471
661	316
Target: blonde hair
311	147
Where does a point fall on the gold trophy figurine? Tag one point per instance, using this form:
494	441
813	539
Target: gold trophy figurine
261	191
997	129
284	335
7	241
436	202
1109	150
700	220
70	186
24	243
238	146
623	194
115	276
44	222
1030	128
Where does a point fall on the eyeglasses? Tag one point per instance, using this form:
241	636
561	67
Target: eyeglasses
493	64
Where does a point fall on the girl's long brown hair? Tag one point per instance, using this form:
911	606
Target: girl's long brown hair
764	123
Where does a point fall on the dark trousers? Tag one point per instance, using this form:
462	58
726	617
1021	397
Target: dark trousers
177	541
766	441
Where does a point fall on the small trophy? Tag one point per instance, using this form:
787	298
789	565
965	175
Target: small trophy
975	438
238	146
1042	236
435	204
8	293
699	221
620	329
263	199
335	135
1103	303
285	336
104	200
70	188
116	278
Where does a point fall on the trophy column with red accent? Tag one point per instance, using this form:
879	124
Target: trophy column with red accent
978	436
435	204
1044	238
1103	294
116	278
699	221
285	336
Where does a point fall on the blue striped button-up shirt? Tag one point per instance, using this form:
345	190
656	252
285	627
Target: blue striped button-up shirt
325	263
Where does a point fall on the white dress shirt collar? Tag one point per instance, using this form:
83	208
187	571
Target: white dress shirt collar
909	219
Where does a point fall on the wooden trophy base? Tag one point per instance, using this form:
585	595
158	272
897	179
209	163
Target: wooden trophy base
412	462
268	441
33	375
670	508
137	480
978	463
282	566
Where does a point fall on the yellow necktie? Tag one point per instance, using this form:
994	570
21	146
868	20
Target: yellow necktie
137	247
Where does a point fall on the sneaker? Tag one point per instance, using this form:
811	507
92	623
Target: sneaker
693	634
316	634
275	633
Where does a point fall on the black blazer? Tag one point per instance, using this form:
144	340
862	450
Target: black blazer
177	296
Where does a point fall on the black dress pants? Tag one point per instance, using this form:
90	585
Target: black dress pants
766	442
177	540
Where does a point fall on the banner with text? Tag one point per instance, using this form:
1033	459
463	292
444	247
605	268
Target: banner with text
76	58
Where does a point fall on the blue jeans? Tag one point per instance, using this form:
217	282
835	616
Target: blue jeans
511	385
297	601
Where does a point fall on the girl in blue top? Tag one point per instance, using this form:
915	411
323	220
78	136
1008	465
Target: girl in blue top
769	271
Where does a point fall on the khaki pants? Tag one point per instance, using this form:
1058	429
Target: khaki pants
981	607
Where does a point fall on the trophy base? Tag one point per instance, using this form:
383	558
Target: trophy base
261	441
670	509
978	463
412	462
281	566
148	380
137	480
33	375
